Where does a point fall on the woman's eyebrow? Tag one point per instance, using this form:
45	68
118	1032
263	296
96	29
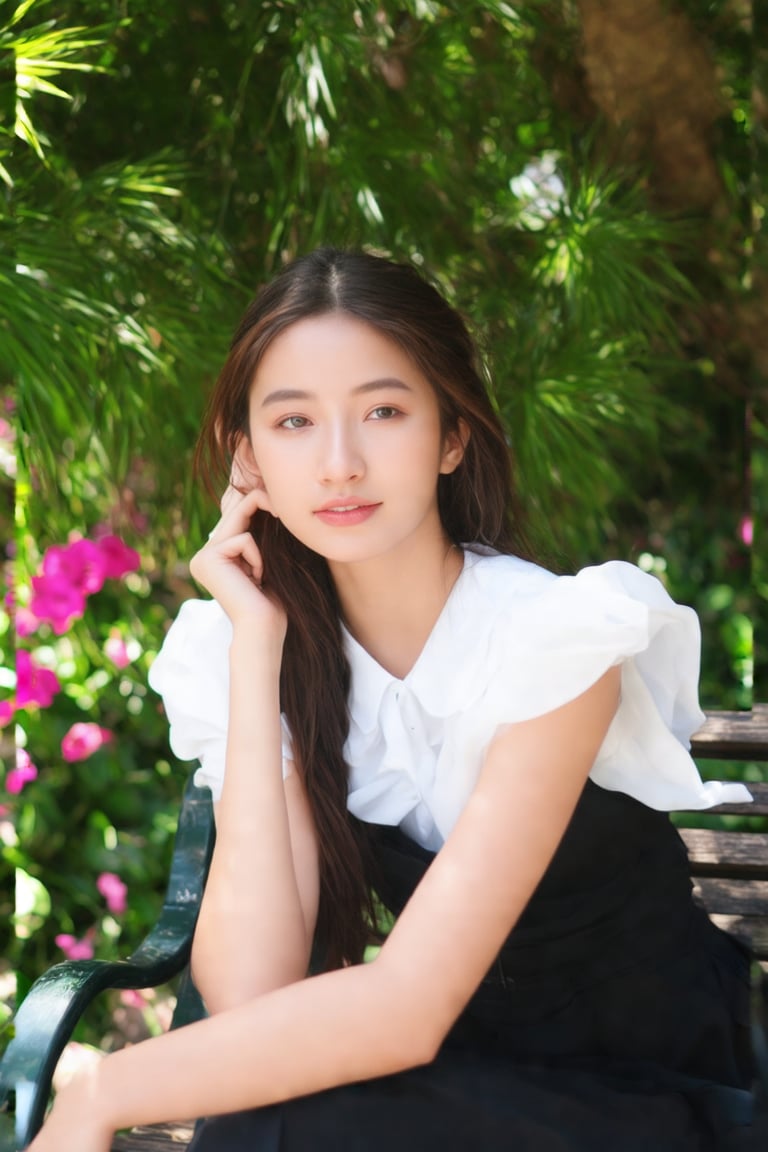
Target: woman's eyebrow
282	394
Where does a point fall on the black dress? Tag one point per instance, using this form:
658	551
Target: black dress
615	1019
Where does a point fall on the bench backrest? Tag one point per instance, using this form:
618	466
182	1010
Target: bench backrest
730	864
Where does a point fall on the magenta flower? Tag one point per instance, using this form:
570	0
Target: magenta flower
6	712
71	573
116	650
56	600
82	740
34	685
73	948
114	892
80	564
117	557
24	771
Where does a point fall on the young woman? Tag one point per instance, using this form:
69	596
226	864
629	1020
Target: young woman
387	696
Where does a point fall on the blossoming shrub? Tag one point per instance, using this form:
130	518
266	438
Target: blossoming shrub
88	809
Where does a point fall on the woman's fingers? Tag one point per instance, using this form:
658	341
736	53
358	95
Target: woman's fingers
243	547
240	548
237	510
230	565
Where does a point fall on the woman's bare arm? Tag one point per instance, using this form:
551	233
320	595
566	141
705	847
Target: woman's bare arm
258	912
260	904
383	1017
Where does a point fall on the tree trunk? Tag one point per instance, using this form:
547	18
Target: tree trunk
652	76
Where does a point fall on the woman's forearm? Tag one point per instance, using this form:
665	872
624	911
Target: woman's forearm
340	1027
252	935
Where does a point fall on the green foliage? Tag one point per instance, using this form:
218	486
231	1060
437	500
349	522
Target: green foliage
574	285
106	296
41	53
100	304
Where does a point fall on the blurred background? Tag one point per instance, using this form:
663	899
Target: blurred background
584	179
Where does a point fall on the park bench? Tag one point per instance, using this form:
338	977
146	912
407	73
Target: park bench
729	866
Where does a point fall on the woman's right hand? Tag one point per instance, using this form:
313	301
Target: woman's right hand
230	566
75	1124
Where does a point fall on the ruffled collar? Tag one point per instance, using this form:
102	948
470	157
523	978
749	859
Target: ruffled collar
447	675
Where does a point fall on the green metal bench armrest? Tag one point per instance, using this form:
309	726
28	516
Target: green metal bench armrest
49	1013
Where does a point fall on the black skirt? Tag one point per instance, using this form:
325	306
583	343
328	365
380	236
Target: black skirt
615	1019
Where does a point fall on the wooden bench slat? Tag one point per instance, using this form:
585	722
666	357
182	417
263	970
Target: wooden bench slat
740	897
154	1138
733	735
751	930
758	807
714	853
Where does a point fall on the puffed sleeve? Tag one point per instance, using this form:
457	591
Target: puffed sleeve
191	673
577	627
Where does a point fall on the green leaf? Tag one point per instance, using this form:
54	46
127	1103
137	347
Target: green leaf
33	904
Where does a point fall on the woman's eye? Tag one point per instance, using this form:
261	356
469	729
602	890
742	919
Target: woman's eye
294	422
384	412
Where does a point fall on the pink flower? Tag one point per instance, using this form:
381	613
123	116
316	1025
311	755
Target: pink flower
80	563
6	712
56	600
133	999
114	892
73	948
747	531
24	771
82	740
25	621
117	557
34	685
116	650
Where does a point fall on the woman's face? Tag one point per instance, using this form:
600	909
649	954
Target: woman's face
346	439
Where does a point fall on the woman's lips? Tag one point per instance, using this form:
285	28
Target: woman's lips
345	513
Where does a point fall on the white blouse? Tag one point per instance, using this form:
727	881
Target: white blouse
513	641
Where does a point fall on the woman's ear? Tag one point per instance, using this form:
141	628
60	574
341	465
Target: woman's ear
245	474
454	446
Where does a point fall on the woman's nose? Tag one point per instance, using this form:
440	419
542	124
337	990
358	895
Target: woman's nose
342	458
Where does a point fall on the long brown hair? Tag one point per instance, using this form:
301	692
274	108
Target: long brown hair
476	505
